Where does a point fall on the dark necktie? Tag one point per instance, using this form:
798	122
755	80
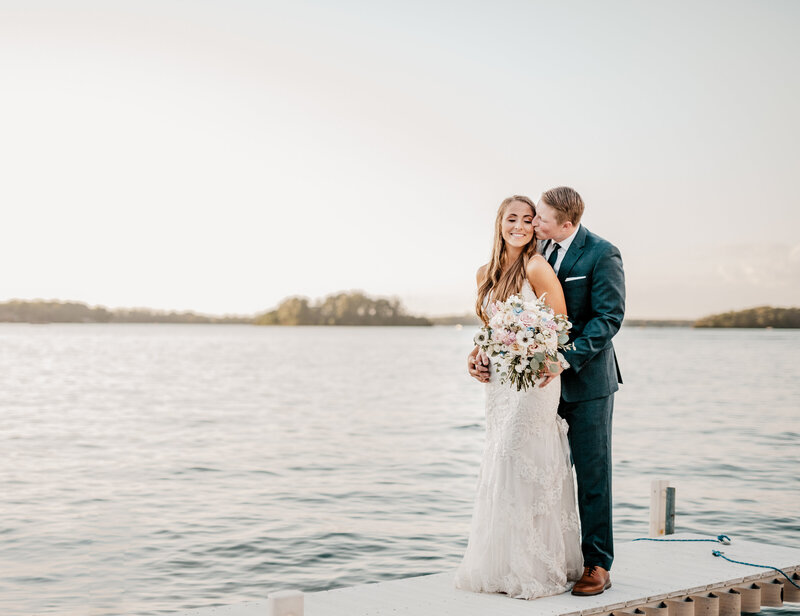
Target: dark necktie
554	256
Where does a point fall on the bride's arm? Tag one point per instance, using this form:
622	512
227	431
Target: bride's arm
477	361
544	280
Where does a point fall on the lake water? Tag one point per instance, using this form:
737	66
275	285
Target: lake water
153	468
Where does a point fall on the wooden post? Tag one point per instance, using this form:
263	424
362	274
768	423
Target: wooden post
791	593
669	517
751	598
662	508
730	602
285	603
659	609
680	607
771	593
706	604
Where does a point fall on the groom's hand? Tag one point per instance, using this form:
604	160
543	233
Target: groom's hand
478	366
551	371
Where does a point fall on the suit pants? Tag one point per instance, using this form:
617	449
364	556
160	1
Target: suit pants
590	441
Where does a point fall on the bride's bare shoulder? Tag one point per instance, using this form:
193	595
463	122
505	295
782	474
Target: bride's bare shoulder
540	275
535	265
481	275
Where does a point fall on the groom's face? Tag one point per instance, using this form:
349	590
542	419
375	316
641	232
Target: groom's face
547	225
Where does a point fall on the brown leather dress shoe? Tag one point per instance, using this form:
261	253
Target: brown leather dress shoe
593	582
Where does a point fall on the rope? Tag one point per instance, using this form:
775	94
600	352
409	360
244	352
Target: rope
723	539
739	562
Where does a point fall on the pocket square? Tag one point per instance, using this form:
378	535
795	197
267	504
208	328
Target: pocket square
575	278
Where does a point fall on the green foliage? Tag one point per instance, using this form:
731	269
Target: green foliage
353	308
18	311
763	316
40	311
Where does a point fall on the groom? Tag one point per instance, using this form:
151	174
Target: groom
590	271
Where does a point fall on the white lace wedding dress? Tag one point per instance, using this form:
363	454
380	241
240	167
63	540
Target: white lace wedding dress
525	536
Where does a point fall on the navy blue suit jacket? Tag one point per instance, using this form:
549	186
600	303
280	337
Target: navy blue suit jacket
594	289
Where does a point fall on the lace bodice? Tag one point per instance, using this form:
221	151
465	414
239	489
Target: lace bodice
526	292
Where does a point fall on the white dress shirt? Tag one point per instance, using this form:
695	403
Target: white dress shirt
565	243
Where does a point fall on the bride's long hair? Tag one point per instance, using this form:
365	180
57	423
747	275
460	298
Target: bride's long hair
496	282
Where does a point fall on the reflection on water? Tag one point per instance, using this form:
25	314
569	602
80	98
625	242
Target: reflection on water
150	468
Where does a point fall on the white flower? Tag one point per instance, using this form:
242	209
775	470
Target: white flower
496	322
524	337
520	367
481	338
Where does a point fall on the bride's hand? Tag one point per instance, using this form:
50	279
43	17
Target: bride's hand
478	366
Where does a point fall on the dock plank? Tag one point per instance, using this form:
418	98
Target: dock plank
643	572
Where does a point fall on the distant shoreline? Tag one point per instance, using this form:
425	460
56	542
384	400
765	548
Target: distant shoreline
472	320
346	309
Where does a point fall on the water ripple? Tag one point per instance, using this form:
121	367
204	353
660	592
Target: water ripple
136	487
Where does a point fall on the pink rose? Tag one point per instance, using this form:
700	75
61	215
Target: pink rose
527	319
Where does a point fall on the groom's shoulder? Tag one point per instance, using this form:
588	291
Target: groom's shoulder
598	243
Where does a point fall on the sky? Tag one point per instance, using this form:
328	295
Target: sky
220	156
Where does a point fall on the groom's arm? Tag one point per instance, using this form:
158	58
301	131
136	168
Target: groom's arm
607	298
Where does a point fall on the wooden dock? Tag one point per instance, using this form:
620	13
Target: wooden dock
658	575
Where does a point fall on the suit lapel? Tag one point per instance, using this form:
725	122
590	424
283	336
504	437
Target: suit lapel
573	254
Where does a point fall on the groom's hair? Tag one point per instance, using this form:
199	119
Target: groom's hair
566	202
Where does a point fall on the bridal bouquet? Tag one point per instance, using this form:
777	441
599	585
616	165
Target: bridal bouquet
525	337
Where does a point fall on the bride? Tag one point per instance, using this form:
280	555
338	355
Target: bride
524	538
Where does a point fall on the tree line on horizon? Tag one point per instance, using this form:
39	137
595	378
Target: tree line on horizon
353	308
52	311
763	316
